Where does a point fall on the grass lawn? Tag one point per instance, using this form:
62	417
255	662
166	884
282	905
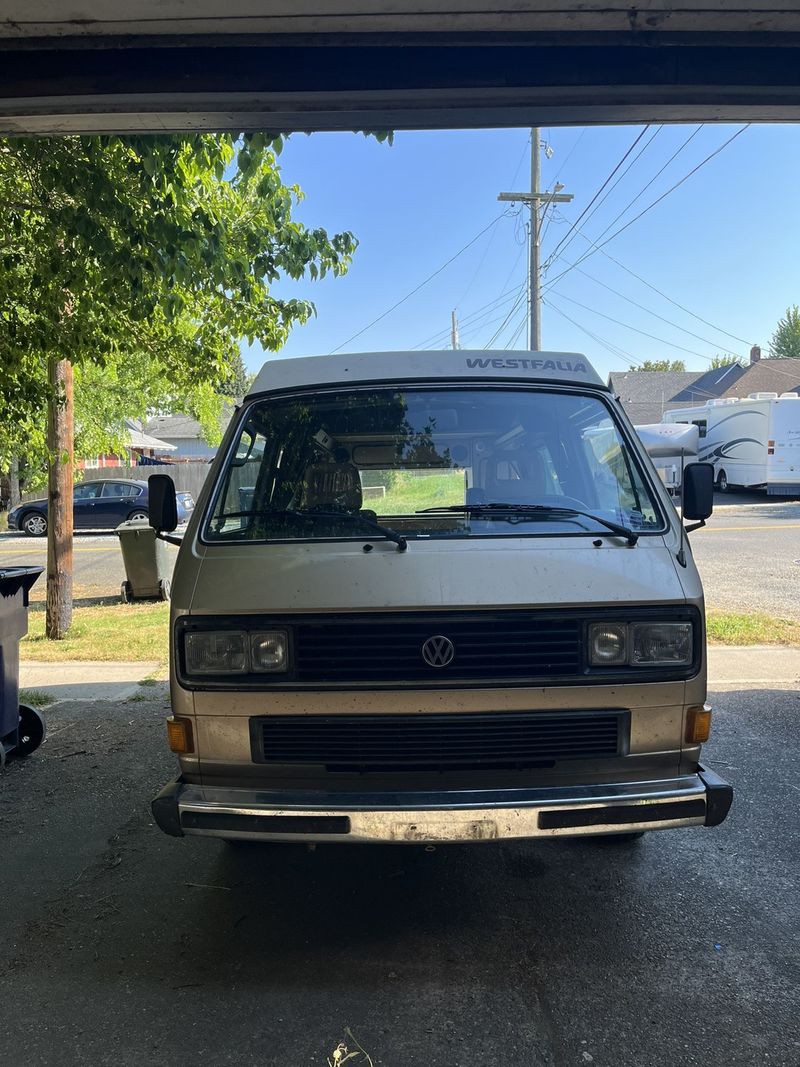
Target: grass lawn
752	628
130	632
139	632
412	493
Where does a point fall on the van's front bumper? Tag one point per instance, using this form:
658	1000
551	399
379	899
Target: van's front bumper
701	799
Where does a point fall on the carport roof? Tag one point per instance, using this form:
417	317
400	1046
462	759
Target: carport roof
159	65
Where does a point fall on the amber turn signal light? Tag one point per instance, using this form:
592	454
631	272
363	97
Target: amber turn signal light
698	724
179	733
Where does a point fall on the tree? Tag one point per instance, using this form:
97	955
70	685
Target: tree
661	364
239	381
720	360
161	249
785	342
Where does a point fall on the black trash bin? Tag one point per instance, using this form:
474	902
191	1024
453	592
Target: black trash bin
22	728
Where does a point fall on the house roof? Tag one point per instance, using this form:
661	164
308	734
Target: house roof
136	438
711	384
767	376
647	394
176	427
184	427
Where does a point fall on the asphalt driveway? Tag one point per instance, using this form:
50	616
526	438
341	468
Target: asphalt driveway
125	947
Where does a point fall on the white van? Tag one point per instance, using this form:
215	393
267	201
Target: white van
436	597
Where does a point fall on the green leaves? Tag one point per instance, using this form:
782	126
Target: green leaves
785	342
145	260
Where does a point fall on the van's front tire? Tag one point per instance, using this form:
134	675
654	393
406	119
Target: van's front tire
722	482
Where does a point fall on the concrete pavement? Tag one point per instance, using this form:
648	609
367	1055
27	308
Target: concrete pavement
773	665
123	947
85	681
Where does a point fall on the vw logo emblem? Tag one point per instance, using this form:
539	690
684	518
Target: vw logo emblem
438	651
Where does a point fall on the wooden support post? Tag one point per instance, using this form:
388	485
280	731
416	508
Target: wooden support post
60	443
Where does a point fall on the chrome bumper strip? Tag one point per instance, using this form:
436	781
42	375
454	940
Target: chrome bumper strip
441	816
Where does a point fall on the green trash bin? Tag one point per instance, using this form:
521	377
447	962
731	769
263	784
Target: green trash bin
148	564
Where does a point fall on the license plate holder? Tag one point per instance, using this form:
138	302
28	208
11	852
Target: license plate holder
446	830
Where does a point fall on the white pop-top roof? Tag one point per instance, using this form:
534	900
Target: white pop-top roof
550	367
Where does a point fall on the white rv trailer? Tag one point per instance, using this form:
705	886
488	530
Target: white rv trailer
753	442
669	445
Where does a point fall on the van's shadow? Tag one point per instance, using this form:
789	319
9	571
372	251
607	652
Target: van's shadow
282	914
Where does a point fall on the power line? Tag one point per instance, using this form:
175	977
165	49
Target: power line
635	329
505	296
652	181
481	326
516	335
421	285
507	319
662	294
615	350
562	168
554	253
547	219
570	237
494	232
655	202
669	322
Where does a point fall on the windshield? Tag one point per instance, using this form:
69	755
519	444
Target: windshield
333	464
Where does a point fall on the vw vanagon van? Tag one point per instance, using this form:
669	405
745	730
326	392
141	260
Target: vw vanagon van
436	596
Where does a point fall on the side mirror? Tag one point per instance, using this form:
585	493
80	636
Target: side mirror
163	503
697	492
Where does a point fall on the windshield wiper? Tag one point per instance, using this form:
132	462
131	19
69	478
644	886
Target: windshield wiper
354	516
501	510
385	531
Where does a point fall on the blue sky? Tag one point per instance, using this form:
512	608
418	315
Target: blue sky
724	245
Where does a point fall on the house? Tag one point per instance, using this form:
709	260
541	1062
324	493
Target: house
140	447
647	395
185	435
767	376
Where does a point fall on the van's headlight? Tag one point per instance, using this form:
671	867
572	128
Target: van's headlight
217	652
235	652
268	651
668	643
608	644
641	644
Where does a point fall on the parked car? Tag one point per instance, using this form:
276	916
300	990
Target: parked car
100	505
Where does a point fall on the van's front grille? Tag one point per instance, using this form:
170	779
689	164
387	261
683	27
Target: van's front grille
489	741
486	645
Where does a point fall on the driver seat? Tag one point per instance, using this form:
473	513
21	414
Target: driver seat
331	486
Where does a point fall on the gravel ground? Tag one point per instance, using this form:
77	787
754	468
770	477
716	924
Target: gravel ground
122	946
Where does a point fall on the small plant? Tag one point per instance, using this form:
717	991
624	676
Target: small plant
342	1054
37	698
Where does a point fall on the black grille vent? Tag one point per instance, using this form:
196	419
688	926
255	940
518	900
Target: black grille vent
490	645
502	740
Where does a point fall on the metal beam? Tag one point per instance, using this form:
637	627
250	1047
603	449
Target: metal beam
395	82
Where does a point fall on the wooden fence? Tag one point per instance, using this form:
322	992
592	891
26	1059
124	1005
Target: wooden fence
188	477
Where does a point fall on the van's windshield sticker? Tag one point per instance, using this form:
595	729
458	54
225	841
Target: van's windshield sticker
527	364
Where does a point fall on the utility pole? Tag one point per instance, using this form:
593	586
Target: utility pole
60	435
534	268
535	199
454	339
